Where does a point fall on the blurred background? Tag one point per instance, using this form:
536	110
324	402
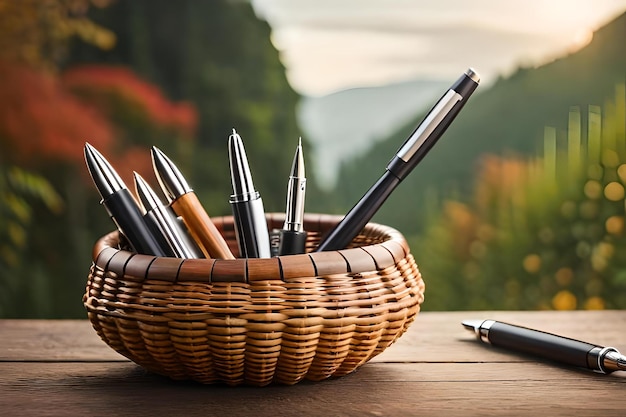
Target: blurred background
521	205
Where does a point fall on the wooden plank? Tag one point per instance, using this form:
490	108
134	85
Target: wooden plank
433	337
61	367
377	389
439	336
52	340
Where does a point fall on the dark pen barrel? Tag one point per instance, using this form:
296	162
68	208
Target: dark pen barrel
129	220
292	242
360	214
423	138
535	342
251	228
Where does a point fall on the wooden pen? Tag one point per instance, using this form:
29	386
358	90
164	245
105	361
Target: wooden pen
185	204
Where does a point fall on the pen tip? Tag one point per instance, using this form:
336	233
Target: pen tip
472	74
472	325
157	155
88	148
139	181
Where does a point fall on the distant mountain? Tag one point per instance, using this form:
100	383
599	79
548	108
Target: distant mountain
350	122
507	117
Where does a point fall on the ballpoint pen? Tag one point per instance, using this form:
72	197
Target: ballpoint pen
185	203
548	345
246	203
121	205
163	222
408	156
292	237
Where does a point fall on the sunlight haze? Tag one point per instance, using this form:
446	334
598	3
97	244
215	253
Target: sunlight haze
329	45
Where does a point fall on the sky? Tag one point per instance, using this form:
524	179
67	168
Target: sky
331	45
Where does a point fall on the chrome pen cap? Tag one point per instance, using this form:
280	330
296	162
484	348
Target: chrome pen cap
241	178
106	179
170	178
147	197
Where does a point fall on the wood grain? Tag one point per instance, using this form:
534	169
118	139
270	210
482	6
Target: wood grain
124	389
61	368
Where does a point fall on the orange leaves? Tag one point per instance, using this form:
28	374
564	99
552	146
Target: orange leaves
44	118
39	119
107	85
499	178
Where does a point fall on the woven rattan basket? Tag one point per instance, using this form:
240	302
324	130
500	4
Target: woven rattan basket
256	321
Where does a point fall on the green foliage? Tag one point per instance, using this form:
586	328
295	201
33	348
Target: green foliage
210	58
508	116
538	233
218	56
20	192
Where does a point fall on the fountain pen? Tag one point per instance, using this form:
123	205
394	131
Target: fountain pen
292	237
248	213
164	223
408	156
121	205
547	345
185	203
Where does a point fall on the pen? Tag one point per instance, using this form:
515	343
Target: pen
185	203
408	156
549	346
163	222
121	205
292	236
246	203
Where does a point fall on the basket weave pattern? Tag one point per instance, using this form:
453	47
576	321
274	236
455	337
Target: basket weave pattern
256	321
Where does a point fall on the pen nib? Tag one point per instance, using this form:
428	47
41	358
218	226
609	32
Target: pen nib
297	167
473	326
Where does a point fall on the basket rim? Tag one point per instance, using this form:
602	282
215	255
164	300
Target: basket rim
355	260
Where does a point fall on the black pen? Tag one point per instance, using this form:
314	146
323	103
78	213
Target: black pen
246	203
410	154
164	224
548	345
292	237
121	205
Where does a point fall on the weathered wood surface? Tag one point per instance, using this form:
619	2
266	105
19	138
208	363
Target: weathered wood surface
61	368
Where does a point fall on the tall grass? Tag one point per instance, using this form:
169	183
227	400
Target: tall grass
541	232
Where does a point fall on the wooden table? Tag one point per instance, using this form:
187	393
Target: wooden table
61	368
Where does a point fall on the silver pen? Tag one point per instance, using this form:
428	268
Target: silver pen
246	203
292	237
164	223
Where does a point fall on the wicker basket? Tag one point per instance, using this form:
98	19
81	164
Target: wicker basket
256	321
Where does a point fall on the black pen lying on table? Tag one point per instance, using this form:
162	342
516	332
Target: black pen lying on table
548	345
410	154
